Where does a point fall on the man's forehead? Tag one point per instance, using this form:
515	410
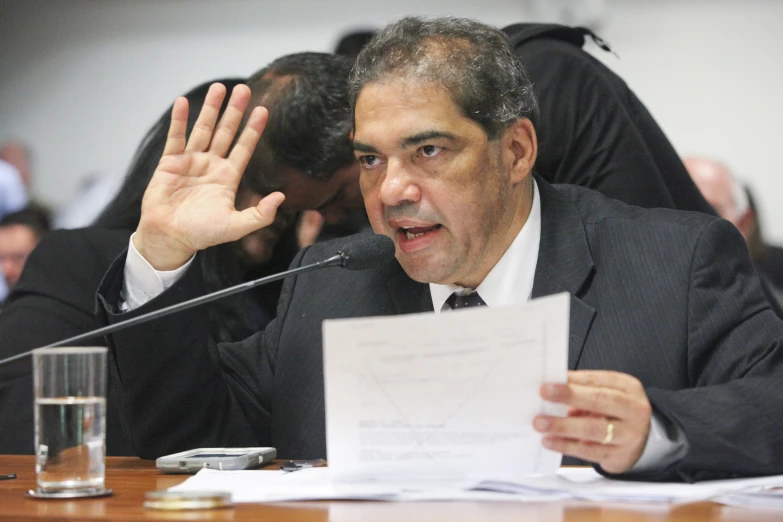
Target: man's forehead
412	91
414	113
15	239
16	230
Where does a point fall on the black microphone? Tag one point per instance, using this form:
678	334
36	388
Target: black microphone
361	254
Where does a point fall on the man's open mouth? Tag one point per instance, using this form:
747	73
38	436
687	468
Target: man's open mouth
411	233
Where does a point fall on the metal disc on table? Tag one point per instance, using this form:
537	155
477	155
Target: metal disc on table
83	493
180	500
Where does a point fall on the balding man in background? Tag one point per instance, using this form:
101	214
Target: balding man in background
730	200
722	190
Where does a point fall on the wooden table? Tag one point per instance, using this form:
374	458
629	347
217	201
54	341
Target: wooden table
130	478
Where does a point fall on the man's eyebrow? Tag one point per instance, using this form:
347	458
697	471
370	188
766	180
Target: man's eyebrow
416	139
358	146
411	141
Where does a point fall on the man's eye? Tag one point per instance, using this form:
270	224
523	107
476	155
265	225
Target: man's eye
430	151
369	161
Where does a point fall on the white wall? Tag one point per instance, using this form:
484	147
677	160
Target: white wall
711	72
81	80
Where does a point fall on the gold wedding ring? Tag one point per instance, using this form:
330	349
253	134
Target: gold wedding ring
609	433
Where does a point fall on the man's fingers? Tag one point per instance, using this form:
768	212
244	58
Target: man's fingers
603	401
590	451
243	150
229	122
607	379
269	204
599	403
254	218
177	137
611	458
201	135
592	429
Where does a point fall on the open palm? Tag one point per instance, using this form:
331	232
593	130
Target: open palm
189	203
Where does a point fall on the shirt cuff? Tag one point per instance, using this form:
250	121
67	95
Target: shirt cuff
666	444
142	282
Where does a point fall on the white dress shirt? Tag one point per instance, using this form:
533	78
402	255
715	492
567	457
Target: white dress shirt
510	282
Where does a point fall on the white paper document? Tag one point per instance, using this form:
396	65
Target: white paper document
567	484
443	396
319	484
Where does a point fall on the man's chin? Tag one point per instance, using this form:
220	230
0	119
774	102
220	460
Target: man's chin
422	272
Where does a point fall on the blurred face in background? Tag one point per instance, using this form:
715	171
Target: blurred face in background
334	198
16	243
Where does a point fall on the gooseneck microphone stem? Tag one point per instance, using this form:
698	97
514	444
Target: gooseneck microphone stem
338	259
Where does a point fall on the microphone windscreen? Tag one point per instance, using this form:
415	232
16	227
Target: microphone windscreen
367	252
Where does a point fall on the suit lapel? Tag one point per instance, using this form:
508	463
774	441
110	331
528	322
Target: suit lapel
564	263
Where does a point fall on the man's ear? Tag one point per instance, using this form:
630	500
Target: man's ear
520	149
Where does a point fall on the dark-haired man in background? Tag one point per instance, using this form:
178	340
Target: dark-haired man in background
676	357
307	152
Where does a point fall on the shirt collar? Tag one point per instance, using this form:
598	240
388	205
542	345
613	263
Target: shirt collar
510	281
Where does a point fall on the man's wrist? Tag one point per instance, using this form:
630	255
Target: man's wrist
162	254
142	282
665	444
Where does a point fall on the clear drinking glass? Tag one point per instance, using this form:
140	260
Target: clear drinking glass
70	419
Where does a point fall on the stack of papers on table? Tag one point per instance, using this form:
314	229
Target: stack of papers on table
568	483
768	496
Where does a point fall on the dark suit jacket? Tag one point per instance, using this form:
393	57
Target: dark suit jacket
667	296
54	300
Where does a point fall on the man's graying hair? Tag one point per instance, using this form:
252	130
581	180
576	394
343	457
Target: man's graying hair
473	61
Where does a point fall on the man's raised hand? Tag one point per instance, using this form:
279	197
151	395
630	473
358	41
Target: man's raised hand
189	204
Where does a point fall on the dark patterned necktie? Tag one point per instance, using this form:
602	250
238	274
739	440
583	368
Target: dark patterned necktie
465	301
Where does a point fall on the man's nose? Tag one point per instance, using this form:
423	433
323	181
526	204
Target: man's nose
398	185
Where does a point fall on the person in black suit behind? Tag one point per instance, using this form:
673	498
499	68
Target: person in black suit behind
675	355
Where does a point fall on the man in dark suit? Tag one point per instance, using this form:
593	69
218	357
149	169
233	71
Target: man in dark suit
676	356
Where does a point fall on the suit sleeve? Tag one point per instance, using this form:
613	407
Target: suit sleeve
175	395
53	300
730	413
